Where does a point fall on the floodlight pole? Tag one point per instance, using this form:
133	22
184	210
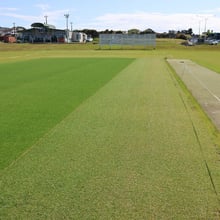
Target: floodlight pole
67	31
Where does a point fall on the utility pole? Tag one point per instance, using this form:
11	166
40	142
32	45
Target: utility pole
67	31
199	28
200	17
46	19
14	29
71	26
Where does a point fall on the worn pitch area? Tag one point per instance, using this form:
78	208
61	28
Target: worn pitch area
204	84
130	151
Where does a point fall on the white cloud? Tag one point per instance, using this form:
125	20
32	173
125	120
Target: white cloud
159	22
212	11
23	17
8	9
54	17
43	7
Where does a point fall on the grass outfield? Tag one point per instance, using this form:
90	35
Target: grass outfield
35	95
138	148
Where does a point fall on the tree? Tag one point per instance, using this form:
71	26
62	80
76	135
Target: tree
133	31
190	31
91	32
107	31
181	36
148	31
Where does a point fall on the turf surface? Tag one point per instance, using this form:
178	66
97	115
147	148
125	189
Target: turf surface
203	84
130	151
37	94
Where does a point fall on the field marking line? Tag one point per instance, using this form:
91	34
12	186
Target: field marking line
204	86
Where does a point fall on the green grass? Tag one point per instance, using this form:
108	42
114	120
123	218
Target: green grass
35	95
129	150
204	55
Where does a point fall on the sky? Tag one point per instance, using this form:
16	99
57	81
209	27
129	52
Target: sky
159	15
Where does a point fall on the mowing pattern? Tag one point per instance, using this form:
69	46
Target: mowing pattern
128	152
35	95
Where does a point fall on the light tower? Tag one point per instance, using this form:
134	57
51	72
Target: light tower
67	31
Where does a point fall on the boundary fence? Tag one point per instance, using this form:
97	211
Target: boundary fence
127	39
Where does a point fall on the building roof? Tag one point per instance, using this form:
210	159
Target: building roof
41	25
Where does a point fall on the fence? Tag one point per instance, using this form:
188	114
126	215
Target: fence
127	39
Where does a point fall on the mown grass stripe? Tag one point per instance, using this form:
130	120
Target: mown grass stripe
37	94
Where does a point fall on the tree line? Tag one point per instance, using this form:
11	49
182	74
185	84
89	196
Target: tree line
183	34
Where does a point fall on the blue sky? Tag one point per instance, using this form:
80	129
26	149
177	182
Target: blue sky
160	15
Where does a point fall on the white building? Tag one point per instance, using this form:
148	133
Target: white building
77	37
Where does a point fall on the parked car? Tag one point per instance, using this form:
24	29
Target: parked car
212	42
89	39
